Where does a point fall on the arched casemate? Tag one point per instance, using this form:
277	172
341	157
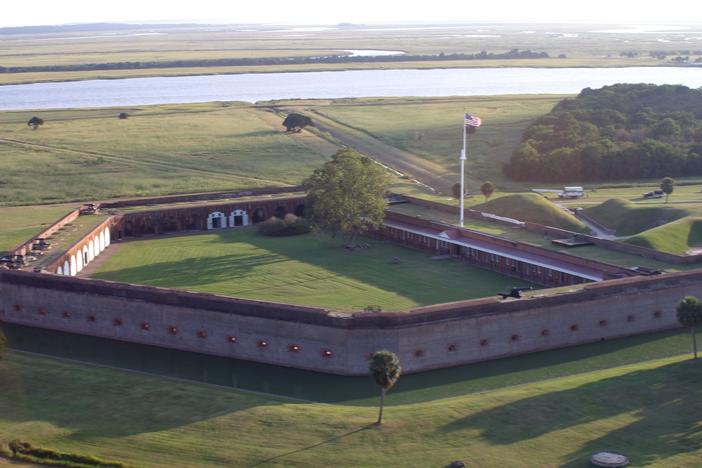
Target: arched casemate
91	250
66	268
73	269
85	254
59	270
107	237
79	261
216	220
101	240
238	218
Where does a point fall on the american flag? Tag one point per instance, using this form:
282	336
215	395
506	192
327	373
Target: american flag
472	120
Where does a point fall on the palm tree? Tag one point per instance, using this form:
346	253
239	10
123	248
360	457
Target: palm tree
690	315
385	369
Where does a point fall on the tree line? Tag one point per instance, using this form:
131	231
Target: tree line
249	61
624	131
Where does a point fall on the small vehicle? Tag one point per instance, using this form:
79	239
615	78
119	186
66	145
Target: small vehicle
654	194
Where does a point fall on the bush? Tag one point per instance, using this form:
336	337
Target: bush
26	452
291	225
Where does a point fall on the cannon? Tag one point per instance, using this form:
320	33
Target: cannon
514	292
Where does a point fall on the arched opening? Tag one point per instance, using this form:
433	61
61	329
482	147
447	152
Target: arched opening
73	269
280	212
66	268
86	257
300	210
59	271
258	215
216	220
239	218
79	261
107	237
101	238
91	250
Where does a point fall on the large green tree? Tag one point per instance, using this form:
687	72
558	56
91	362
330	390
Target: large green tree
295	122
347	195
487	189
667	185
385	369
690	315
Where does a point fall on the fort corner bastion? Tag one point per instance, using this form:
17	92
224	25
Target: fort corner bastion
585	300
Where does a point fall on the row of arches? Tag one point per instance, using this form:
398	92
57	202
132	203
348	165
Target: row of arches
92	247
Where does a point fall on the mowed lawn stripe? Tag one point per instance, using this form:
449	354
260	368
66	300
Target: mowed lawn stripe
309	270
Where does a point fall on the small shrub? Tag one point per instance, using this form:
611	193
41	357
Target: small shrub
26	452
291	225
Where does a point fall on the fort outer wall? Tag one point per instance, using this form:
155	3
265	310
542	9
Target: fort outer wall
425	338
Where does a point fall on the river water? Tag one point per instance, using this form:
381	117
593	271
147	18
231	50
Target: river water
253	87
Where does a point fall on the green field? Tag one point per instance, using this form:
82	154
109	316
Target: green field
308	270
637	395
532	208
90	154
430	130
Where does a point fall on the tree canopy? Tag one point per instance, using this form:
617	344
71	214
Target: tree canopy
689	313
35	122
295	122
347	195
487	189
667	186
385	370
624	131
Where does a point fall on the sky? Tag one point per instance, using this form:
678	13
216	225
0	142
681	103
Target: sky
318	12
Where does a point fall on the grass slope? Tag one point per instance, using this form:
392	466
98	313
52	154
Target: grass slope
676	237
649	410
628	218
309	270
533	208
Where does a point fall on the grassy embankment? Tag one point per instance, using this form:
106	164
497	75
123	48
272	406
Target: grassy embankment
667	228
533	208
308	270
637	395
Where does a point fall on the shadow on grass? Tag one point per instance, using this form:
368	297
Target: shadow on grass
664	402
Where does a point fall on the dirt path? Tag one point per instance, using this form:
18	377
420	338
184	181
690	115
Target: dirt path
410	164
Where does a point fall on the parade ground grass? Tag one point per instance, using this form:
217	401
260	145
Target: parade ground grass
639	396
310	269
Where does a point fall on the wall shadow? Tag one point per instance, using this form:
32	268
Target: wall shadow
665	402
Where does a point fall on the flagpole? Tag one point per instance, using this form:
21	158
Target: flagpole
462	158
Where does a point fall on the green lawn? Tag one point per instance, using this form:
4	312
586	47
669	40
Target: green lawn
646	405
309	270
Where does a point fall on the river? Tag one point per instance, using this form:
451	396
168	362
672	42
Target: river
253	87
